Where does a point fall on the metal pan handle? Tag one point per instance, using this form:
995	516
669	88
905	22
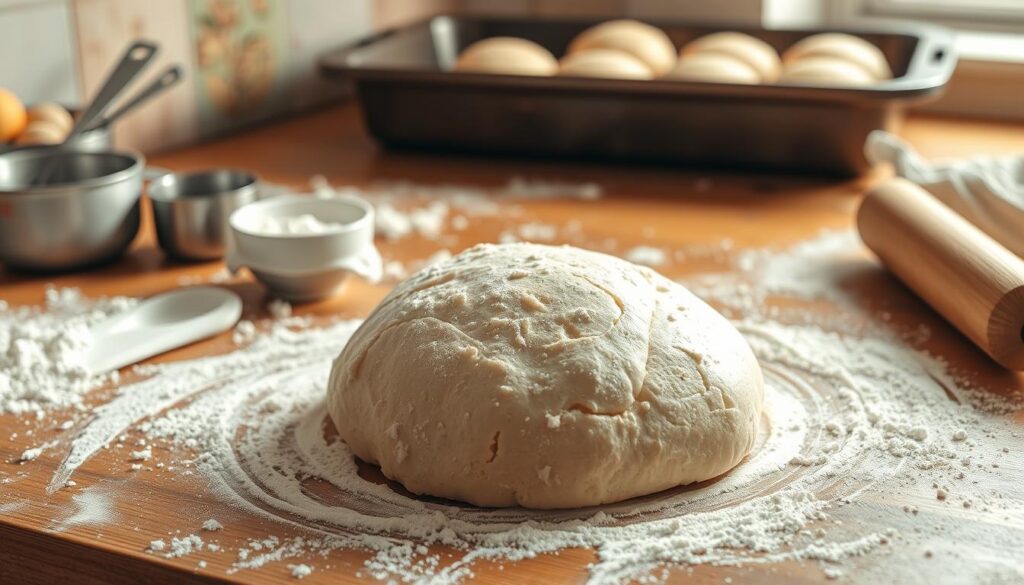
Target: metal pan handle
932	64
336	63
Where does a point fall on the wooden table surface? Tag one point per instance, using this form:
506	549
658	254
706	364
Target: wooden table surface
684	207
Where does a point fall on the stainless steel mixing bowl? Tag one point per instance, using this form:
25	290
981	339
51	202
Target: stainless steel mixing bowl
88	215
191	210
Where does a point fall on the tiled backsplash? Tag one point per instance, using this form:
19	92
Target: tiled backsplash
37	49
245	60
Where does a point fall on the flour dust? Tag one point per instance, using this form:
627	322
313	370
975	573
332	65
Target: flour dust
854	415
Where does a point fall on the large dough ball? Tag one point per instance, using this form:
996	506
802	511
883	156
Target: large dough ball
752	51
645	42
714	67
547	377
843	47
604	63
507	55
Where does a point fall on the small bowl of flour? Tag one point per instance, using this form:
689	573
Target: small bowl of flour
306	224
304	248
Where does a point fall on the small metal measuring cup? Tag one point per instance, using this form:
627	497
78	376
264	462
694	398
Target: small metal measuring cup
191	210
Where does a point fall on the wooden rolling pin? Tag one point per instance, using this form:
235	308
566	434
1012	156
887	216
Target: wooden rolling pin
972	280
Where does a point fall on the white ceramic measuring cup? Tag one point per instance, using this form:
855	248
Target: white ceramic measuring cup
306	266
162	323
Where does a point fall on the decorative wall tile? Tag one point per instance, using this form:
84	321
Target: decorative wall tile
105	27
240	62
38	50
302	29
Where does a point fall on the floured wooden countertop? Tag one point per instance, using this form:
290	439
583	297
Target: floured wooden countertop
683	222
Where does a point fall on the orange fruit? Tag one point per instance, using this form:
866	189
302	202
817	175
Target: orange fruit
12	116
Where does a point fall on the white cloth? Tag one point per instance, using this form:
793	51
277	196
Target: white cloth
988	191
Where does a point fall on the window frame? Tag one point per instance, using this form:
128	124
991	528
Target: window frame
990	50
962	15
976	18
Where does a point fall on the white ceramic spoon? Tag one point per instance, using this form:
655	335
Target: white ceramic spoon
162	323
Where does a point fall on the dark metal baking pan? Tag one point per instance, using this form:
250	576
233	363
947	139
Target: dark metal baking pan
410	98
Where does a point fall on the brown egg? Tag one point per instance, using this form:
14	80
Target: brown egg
825	71
752	51
41	132
12	116
647	43
845	47
604	63
714	67
52	113
507	55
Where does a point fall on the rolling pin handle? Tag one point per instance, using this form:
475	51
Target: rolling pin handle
965	275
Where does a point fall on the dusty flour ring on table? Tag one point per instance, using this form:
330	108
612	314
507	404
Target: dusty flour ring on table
286	397
865	413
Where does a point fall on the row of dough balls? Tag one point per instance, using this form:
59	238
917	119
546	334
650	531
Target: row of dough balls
628	49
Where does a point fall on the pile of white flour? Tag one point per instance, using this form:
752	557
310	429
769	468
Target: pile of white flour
853	415
42	350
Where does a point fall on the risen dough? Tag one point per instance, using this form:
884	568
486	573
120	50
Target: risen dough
604	63
714	67
752	51
841	46
507	55
547	377
647	43
825	70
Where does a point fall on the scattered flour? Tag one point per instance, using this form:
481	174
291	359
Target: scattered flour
279	309
459	222
394	271
182	546
529	232
854	411
404	209
212	525
427	222
300	571
35	452
142	454
244	332
222	275
646	255
93	506
31	454
439	256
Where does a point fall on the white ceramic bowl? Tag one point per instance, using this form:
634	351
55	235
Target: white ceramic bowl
305	267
